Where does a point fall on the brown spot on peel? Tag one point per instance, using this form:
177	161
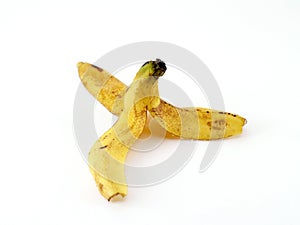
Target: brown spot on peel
98	68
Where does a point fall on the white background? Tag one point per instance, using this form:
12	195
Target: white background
251	47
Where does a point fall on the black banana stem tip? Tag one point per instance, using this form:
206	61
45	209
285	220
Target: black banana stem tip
161	64
159	67
158	62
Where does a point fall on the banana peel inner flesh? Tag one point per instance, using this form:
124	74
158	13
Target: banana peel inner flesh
107	156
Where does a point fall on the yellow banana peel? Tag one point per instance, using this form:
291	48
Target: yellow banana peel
107	156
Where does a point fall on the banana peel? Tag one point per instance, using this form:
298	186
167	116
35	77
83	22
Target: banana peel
107	156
